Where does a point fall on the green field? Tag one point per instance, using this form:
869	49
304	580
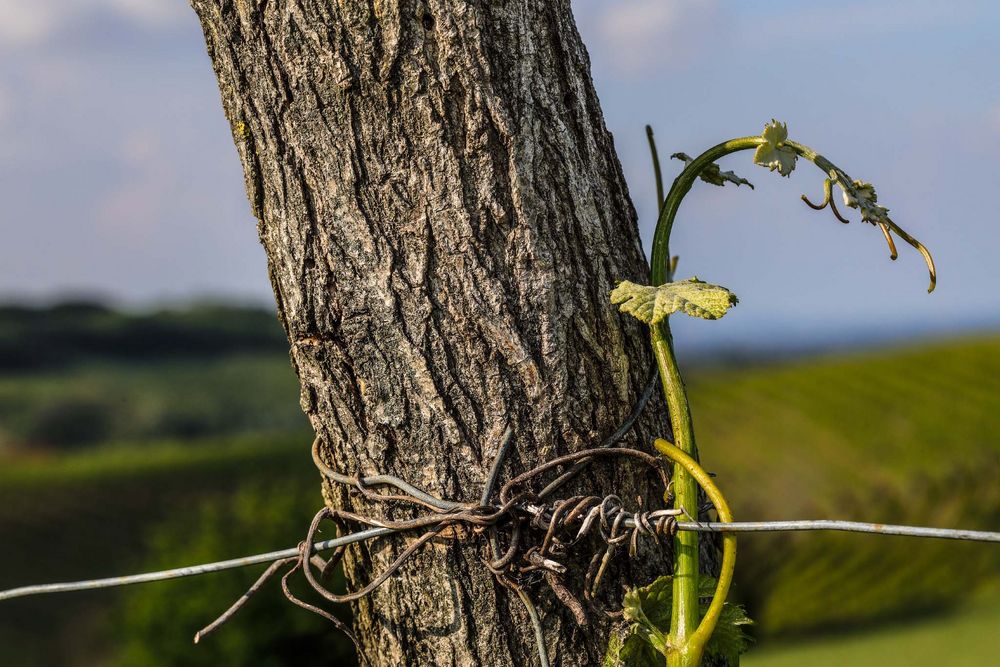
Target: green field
100	402
964	639
96	513
904	436
911	436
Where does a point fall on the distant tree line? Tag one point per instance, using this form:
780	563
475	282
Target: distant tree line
47	337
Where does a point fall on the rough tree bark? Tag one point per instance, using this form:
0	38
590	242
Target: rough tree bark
444	216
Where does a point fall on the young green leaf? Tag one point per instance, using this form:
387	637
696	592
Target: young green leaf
638	653
773	154
647	608
864	192
713	173
861	195
728	639
706	587
653	601
692	296
630	650
613	656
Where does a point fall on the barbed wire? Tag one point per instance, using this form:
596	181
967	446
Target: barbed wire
361	536
538	532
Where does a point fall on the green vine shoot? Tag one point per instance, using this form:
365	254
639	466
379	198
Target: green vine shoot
670	619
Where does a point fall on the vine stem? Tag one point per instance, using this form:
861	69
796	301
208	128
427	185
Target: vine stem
684	610
689	633
828	167
660	260
685	633
691	652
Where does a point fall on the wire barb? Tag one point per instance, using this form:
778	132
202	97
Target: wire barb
236	606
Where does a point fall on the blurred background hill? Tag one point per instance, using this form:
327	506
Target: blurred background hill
171	448
79	372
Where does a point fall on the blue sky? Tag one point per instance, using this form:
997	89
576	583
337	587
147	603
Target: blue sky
118	176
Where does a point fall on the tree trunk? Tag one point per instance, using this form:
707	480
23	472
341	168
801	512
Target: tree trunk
444	217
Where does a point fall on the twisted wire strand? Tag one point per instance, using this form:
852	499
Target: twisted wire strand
413	494
654	462
551	519
372	533
242	600
498	564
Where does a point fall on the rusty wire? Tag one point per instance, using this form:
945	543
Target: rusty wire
517	512
562	523
824	525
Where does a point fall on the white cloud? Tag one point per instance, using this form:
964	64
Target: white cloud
860	19
642	20
28	22
25	21
149	12
639	36
135	205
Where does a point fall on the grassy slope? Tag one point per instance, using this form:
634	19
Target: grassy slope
966	639
133	401
885	437
88	515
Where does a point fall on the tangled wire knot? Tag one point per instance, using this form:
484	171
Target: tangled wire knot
538	530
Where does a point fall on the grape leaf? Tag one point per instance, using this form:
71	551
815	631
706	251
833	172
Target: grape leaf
630	650
692	297
648	609
713	173
861	195
773	154
728	639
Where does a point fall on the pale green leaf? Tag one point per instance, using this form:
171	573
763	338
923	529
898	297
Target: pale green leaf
729	638
631	650
780	159
646	609
773	154
775	133
861	195
865	192
692	297
649	608
638	653
713	173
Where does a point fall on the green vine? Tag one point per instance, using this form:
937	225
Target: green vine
692	625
